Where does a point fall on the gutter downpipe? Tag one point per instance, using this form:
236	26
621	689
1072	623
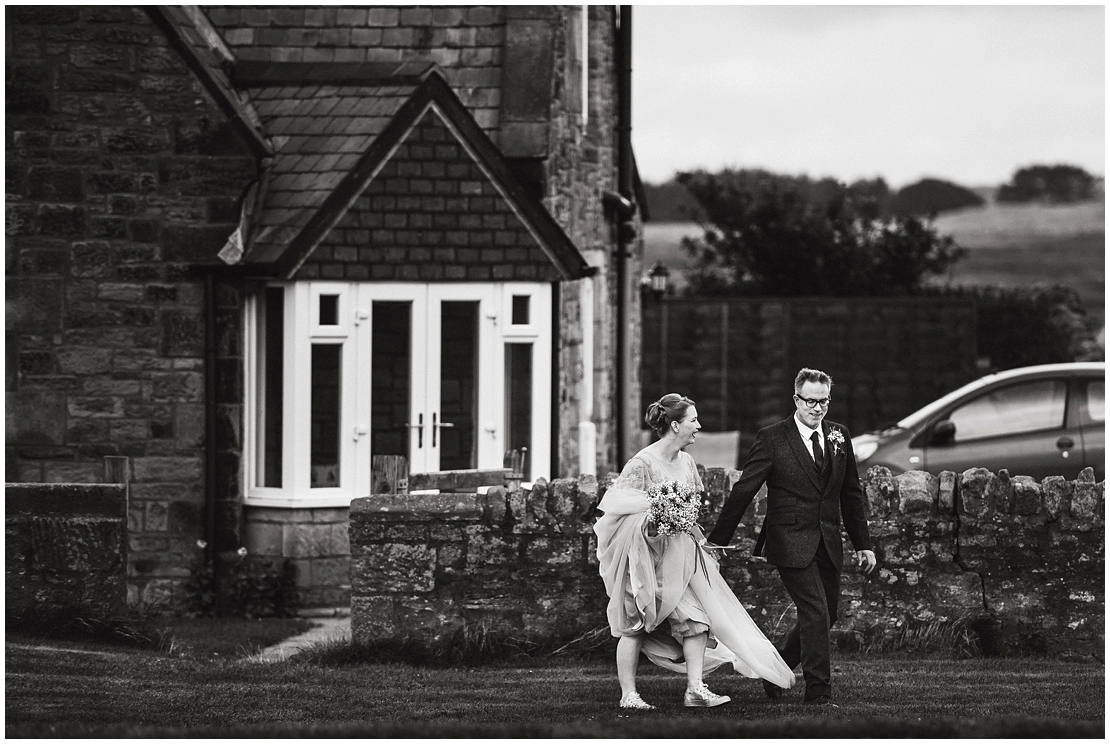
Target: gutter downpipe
212	554
625	186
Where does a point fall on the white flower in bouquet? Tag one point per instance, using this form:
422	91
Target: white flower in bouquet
673	507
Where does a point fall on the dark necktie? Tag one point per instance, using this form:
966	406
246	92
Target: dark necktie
818	455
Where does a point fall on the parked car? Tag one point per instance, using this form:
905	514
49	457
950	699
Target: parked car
1036	421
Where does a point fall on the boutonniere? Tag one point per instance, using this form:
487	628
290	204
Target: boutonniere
836	439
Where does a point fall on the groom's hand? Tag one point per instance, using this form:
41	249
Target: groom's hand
866	560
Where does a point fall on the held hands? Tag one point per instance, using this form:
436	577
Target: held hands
865	559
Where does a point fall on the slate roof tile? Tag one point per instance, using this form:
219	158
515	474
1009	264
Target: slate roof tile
323	131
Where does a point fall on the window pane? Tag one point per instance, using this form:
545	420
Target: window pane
271	353
520	309
1096	401
458	394
518	403
1032	406
324	448
390	382
329	310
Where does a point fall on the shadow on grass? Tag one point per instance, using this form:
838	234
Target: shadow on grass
148	629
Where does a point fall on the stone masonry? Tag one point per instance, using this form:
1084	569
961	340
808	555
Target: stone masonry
523	563
122	177
124	180
65	548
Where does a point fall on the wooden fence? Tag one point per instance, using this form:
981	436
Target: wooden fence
737	357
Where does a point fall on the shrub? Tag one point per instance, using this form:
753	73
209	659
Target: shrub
1051	183
1022	326
246	586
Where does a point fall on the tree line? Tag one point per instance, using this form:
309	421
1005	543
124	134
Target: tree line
767	234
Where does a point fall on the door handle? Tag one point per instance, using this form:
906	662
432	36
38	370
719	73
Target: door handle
436	427
419	430
1064	444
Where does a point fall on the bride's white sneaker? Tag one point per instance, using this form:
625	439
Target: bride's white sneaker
635	702
700	696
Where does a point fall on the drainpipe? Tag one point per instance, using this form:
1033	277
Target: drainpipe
211	552
624	241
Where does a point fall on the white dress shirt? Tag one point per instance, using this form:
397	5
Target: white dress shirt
805	432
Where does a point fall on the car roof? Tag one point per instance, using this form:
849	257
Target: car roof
1034	372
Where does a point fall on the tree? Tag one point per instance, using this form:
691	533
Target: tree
791	236
1053	183
931	196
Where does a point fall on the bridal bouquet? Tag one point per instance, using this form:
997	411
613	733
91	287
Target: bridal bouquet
673	507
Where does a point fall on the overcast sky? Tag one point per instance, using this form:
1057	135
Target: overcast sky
964	93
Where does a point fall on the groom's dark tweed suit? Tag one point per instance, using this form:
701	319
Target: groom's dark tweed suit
801	533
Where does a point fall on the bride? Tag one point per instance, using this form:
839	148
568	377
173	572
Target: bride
665	599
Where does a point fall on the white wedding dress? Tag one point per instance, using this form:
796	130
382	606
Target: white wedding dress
650	580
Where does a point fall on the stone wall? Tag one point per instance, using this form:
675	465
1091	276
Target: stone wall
122	177
314	541
954	547
65	549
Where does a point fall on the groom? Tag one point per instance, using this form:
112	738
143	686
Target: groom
812	481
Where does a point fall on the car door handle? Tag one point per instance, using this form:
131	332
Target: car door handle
1064	443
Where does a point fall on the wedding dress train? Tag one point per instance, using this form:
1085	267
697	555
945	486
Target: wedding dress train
650	579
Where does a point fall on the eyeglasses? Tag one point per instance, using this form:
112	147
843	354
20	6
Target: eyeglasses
814	402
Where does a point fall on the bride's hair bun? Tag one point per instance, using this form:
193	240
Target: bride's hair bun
671	407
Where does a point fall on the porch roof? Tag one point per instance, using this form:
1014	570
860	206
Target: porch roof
333	127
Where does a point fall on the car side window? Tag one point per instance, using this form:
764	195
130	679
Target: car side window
1095	406
1030	406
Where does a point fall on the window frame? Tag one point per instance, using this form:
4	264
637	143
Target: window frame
1007	387
302	330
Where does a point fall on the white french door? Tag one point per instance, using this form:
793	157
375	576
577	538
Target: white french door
436	348
450	376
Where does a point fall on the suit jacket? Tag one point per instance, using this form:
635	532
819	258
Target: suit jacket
803	505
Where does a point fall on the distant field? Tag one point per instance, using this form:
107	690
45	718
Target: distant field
1077	262
1008	246
1009	225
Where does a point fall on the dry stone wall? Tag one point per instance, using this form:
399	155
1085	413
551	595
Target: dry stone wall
65	549
1027	555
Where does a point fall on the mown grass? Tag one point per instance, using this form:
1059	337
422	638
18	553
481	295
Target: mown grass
143	693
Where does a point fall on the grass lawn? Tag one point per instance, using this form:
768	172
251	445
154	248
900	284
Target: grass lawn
103	691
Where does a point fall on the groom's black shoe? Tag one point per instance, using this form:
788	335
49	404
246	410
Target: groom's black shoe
772	691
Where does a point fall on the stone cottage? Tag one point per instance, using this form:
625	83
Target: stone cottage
252	248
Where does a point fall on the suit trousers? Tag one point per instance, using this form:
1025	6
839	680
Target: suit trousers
815	590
